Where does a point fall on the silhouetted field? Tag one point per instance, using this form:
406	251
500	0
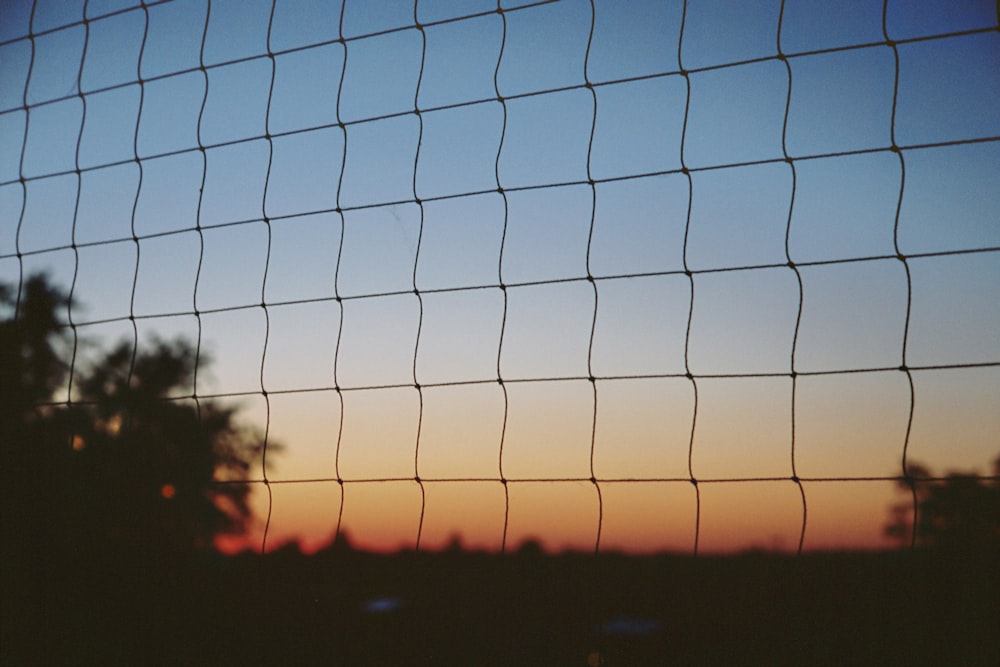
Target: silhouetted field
344	607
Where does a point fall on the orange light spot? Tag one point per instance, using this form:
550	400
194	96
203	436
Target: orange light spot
115	425
168	491
78	443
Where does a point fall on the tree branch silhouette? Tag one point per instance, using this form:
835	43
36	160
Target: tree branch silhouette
959	513
134	462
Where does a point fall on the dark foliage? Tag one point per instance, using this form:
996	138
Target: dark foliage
128	465
957	514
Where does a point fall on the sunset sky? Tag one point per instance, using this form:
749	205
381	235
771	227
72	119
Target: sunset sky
753	241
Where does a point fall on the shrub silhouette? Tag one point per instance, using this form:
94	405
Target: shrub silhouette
130	464
960	512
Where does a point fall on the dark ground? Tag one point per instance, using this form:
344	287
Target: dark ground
343	607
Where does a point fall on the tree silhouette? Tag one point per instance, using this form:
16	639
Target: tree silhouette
133	464
959	513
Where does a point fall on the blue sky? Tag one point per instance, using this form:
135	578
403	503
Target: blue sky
273	148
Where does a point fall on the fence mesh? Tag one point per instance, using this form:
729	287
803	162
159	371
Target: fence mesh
644	277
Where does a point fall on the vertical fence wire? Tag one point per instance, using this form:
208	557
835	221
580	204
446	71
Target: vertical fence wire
503	288
903	367
690	278
798	277
336	275
263	286
416	290
76	213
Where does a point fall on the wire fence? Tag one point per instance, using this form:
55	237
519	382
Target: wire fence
329	144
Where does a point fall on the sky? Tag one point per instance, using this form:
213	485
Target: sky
376	223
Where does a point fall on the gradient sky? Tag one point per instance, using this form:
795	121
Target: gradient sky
105	157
